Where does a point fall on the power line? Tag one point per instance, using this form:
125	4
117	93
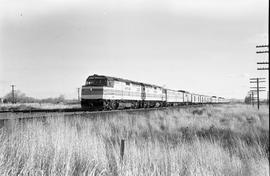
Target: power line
262	62
256	81
263	68
259	52
262	46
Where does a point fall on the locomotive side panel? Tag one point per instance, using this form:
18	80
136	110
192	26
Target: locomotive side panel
154	93
123	91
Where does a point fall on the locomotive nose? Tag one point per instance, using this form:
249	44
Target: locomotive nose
92	91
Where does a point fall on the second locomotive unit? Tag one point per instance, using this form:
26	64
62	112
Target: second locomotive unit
105	92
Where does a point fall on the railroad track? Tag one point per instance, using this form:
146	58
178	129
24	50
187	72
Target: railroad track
43	113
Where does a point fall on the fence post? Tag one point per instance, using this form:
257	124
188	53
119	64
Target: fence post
122	149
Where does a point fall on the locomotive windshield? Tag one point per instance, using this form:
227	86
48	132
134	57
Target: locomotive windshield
96	82
99	82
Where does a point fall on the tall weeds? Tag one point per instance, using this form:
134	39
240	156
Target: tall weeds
221	140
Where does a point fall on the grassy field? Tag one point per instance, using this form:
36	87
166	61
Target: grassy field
29	106
226	140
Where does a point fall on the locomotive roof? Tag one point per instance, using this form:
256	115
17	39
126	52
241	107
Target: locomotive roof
124	80
176	90
183	91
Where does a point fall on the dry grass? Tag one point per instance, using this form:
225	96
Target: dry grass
222	140
29	106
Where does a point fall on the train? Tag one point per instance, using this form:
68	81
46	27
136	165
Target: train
110	93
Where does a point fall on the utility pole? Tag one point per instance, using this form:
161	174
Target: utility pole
79	94
258	89
264	63
258	94
13	94
252	98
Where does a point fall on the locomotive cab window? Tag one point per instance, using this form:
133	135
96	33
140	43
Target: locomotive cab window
96	82
110	83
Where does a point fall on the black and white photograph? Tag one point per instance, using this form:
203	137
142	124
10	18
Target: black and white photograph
134	88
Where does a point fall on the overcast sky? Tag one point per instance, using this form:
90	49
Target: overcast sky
48	48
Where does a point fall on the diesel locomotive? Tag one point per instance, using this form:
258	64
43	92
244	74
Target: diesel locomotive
107	93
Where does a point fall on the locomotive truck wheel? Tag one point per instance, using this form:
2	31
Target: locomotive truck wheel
114	105
137	105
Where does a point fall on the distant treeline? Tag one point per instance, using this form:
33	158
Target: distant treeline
20	97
